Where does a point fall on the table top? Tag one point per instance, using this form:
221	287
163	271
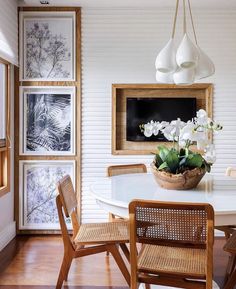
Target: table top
118	191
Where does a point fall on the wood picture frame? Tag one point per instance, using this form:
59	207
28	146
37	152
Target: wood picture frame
68	83
47	120
47	46
120	92
38	192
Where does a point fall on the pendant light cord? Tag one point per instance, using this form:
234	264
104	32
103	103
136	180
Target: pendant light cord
184	22
175	18
191	16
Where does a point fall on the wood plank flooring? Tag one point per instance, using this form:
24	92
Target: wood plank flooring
33	262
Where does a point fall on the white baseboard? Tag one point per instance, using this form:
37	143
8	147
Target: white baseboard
7	234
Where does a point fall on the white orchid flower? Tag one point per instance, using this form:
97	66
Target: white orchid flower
202	118
172	131
148	127
191	133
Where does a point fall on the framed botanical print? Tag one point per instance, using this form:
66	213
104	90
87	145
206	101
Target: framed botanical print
47	46
37	186
47	120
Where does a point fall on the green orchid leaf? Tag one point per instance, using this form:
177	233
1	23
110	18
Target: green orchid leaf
158	160
172	160
163	152
194	160
162	166
206	166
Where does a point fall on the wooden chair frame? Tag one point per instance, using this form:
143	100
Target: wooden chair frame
230	275
166	279
72	251
228	229
123	170
126	169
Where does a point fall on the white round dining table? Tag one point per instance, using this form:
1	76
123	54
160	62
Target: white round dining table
113	194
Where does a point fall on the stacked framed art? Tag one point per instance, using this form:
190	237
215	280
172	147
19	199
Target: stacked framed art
47	113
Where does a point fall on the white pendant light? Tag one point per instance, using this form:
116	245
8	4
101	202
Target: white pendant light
187	53
184	76
165	61
186	64
164	77
166	58
205	67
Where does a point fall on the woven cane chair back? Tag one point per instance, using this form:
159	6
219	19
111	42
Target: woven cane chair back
126	169
167	223
67	194
69	202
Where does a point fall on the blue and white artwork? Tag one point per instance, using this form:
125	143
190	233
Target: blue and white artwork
47	121
47	46
38	203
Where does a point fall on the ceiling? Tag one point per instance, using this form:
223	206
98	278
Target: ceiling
131	3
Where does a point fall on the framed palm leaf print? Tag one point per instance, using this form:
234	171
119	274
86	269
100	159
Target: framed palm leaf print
47	120
37	206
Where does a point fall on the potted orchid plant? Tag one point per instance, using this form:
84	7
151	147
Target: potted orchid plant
178	167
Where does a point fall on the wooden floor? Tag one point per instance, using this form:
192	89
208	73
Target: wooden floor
34	262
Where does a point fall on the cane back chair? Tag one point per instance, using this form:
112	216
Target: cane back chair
177	244
123	170
228	229
100	237
230	277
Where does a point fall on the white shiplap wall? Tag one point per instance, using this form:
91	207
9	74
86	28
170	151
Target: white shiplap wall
120	46
9	31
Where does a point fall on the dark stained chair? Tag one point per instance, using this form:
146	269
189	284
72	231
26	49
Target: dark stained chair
230	247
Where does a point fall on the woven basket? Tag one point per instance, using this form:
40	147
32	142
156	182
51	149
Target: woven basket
186	181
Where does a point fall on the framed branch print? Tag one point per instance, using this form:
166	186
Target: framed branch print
47	120
47	46
37	207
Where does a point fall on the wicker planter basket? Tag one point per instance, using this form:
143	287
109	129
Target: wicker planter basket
186	181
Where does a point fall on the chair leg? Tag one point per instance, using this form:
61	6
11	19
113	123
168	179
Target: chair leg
120	262
65	266
230	267
125	251
231	281
147	286
67	269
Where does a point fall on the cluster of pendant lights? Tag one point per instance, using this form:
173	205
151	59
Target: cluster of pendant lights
186	64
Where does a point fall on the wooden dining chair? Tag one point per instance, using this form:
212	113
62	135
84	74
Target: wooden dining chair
116	170
126	169
228	229
177	244
87	239
230	276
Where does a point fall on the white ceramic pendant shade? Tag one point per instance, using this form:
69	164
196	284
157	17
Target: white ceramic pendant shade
205	67
165	61
187	53
164	77
184	76
188	63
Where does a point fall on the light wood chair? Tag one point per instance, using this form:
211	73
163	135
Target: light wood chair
122	170
177	244
126	169
100	237
230	277
228	229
